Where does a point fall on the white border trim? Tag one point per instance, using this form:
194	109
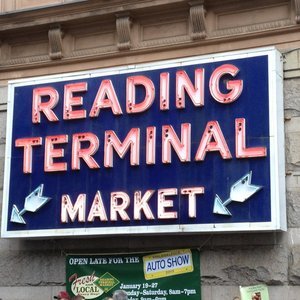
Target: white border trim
277	167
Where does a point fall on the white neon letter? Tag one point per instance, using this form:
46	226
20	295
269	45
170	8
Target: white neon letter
141	203
97	209
192	192
163	203
68	210
119	201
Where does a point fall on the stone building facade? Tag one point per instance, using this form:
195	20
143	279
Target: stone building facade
48	37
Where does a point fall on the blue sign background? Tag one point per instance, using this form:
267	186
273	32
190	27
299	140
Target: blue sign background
215	174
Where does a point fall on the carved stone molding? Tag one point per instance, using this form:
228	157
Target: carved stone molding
197	19
297	11
55	42
165	27
123	24
243	30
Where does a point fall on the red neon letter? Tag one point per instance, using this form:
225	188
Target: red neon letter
235	86
131	84
106	98
50	153
182	148
70	101
150	145
164	91
27	144
241	150
132	140
46	107
212	140
86	153
183	83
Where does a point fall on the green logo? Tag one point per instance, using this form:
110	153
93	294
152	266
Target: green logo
106	282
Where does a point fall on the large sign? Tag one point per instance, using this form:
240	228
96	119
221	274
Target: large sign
169	275
188	145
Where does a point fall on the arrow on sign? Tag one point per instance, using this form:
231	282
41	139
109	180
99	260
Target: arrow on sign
33	202
240	191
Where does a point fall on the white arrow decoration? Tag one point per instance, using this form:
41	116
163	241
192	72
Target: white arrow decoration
220	207
240	191
33	202
16	215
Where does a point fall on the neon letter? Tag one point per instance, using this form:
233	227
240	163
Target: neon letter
51	152
183	83
68	210
235	86
131	84
46	107
162	203
213	140
70	101
27	144
141	203
192	192
241	150
182	148
97	209
86	153
150	145
106	98
164	91
119	208
132	140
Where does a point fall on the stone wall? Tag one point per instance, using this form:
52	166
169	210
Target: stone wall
35	269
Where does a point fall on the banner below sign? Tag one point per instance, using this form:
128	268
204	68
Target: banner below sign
188	145
170	275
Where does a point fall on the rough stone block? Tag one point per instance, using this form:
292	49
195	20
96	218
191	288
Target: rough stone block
2	127
292	143
248	266
294	269
1	171
291	98
219	292
241	239
3	94
293	207
231	292
29	292
293	181
31	268
284	292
